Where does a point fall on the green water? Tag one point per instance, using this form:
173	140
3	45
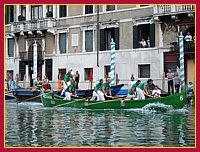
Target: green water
32	125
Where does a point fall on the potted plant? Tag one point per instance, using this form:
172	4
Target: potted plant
21	18
49	14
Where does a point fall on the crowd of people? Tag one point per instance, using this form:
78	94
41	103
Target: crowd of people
136	89
11	83
174	81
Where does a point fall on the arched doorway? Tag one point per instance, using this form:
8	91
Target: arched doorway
30	63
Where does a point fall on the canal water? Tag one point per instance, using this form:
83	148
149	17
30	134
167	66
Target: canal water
29	124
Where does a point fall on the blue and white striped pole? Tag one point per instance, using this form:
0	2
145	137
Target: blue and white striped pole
34	76
182	73
112	63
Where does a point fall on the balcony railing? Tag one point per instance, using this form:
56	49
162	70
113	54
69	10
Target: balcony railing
28	56
189	47
31	25
168	9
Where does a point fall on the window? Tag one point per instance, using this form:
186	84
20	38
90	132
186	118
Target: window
63	10
10	47
110	7
170	61
89	41
22	70
63	72
88	9
143	31
88	73
36	12
49	8
23	10
144	71
9	14
106	71
63	43
105	38
48	68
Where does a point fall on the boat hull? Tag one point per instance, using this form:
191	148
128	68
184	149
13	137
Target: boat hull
176	101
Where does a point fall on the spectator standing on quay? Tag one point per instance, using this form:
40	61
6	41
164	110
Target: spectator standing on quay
77	77
177	82
170	77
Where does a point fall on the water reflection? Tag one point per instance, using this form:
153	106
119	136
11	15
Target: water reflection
30	124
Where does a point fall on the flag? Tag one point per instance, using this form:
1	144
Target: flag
91	74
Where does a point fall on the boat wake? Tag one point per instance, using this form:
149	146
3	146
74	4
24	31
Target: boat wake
157	107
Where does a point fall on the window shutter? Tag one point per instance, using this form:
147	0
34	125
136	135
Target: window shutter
116	38
152	35
11	47
135	37
102	40
62	42
89	41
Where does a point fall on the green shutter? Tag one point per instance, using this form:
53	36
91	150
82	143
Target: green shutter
152	35
116	38
102	40
135	37
7	15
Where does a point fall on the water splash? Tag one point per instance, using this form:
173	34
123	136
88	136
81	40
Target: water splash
158	107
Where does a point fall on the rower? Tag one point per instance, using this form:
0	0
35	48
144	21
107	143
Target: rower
103	91
132	91
143	89
71	88
67	81
95	94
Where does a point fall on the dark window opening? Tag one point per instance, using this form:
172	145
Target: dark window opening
22	70
110	7
106	71
23	10
89	41
144	71
63	10
87	73
36	12
10	47
63	72
9	14
105	38
63	43
146	32
88	9
48	68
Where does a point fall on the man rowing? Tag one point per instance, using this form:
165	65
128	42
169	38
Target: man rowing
103	91
143	89
71	88
67	81
132	91
95	94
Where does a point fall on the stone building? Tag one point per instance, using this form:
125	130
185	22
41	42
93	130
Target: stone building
79	36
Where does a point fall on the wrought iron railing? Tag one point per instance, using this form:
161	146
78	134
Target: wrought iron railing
189	47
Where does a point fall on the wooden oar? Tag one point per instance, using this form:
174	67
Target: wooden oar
69	102
33	97
103	101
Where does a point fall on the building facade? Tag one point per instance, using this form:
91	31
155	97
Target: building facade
79	36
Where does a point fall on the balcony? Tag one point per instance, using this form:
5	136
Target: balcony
189	47
28	56
160	10
37	24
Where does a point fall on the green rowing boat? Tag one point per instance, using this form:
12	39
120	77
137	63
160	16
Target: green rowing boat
175	101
